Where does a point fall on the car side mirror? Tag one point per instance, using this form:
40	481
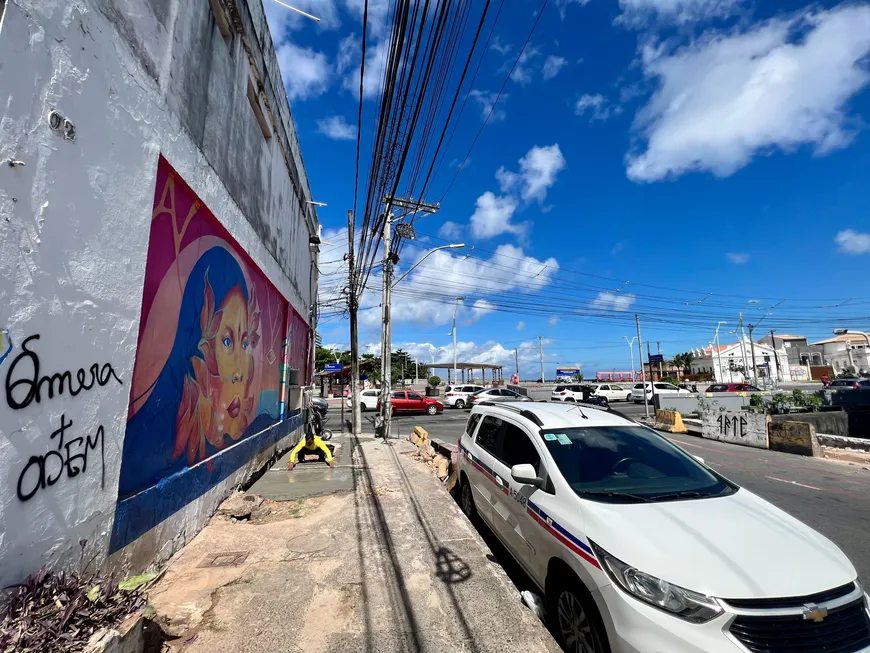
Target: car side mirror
525	474
699	459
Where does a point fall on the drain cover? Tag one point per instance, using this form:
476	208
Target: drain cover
229	559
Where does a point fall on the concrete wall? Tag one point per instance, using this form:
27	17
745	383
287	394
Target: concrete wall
133	83
830	422
737	427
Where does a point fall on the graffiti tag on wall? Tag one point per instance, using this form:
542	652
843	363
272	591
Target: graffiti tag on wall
67	455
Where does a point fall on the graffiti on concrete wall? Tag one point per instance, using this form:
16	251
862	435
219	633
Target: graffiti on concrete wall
207	374
68	454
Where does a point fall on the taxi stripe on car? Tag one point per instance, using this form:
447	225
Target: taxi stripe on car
556	530
486	471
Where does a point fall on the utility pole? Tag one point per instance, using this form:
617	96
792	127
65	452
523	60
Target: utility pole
719	355
742	344
752	347
659	351
541	349
642	372
517	361
775	355
352	306
631	353
409	206
386	345
652	380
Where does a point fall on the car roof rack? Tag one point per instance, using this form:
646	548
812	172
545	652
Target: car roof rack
523	412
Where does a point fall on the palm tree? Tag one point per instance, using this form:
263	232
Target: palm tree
684	362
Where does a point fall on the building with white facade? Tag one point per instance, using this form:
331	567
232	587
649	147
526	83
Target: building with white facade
732	363
849	353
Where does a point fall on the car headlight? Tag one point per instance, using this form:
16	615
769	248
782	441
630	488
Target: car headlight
678	601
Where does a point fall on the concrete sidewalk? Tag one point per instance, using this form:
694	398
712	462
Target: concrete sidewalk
390	565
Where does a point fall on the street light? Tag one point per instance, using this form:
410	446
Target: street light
453	333
315	203
298	11
631	352
423	258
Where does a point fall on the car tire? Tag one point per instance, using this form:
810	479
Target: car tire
362	408
432	409
628	397
460	404
574	618
571	399
466	500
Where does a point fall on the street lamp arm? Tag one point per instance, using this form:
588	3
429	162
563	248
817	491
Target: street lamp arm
298	11
431	251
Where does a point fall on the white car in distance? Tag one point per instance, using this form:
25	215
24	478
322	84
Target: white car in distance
457	396
368	400
572	392
661	388
637	547
612	392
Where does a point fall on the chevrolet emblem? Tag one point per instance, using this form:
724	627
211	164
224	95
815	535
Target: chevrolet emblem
815	613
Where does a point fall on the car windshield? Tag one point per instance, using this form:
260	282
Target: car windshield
607	463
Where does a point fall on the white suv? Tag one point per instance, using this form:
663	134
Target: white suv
457	396
637	547
612	392
661	389
368	400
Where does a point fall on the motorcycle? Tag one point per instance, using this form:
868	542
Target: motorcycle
317	418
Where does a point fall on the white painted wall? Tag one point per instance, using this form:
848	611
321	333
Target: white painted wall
74	229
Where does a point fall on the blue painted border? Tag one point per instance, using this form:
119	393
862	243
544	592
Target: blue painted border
136	515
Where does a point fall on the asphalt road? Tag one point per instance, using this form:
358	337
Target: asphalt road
830	496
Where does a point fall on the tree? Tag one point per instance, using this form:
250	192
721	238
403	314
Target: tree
578	377
434	381
684	362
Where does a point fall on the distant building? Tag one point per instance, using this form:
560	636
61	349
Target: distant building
798	351
846	353
732	363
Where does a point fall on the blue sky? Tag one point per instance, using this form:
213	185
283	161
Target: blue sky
711	153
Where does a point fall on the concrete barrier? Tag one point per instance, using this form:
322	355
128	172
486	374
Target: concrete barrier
834	422
670	421
738	427
794	437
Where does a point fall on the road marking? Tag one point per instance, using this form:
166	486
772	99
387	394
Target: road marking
783	480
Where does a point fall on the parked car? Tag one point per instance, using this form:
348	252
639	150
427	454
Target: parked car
733	387
406	401
638	547
567	393
368	399
661	387
496	394
612	392
458	395
850	384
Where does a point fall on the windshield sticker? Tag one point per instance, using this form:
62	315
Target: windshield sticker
549	437
563	439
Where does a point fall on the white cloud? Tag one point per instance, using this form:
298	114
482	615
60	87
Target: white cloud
552	66
486	100
521	325
738	258
850	241
539	168
306	72
337	128
492	216
596	103
612	301
726	97
490	352
478	309
641	13
417	299
497	45
562	6
522	72
347	53
376	66
553	321
617	248
377	14
450	230
282	21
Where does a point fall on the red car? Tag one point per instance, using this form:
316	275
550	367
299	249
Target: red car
406	401
733	387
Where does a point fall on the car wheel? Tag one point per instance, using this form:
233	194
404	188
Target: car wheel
432	409
575	620
362	408
466	500
460	404
628	397
571	399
